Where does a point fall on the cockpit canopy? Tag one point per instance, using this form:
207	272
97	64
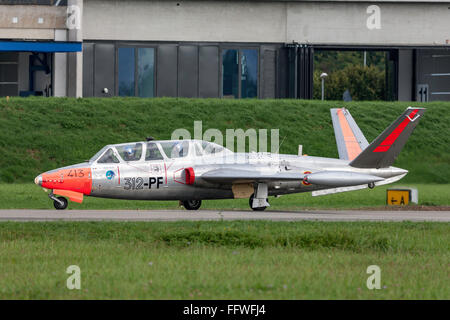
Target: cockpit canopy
157	150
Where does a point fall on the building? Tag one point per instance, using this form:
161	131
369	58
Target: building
230	49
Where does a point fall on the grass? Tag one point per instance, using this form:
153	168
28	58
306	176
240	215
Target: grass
30	196
39	134
224	260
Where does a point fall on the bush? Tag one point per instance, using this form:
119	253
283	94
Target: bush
363	83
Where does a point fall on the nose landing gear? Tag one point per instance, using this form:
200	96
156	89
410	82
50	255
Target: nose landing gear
60	203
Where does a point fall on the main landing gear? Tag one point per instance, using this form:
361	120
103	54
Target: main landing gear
259	199
191	204
60	203
250	202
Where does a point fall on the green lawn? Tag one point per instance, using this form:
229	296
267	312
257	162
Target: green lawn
30	196
224	260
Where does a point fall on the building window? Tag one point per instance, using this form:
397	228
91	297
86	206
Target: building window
9	74
136	72
126	72
146	71
230	70
249	73
240	73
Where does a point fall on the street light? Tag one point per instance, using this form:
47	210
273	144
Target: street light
323	76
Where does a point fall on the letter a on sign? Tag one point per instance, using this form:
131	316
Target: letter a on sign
374	20
374	281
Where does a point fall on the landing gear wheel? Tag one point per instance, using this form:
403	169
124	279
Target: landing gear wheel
250	202
58	206
192	204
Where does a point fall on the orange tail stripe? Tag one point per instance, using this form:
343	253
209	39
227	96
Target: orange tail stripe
352	145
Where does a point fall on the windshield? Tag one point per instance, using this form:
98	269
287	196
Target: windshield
98	154
108	157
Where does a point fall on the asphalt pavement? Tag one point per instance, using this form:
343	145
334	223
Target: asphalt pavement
179	215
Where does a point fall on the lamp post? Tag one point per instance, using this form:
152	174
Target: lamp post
323	76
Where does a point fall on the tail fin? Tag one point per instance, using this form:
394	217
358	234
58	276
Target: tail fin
349	138
383	151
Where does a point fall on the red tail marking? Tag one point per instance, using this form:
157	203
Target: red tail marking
390	139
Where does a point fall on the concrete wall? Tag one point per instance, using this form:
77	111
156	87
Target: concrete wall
347	23
330	22
31	22
189	21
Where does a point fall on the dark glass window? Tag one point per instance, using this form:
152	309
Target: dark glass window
126	72
240	73
249	73
146	66
130	152
230	73
108	157
175	149
136	72
153	152
9	74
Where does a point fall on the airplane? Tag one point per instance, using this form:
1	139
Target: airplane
194	170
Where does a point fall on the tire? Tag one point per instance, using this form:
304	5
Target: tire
192	204
250	201
58	206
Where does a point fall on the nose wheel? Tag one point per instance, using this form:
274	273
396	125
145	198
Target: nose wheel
60	203
192	204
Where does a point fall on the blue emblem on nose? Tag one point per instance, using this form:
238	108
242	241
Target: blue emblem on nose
110	174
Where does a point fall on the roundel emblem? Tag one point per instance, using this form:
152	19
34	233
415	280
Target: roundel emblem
110	174
306	183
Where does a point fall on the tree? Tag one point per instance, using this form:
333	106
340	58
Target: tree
363	83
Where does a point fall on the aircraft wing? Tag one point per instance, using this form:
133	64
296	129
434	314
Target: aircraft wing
239	175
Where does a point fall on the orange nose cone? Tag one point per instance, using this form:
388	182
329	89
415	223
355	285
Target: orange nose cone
38	180
76	179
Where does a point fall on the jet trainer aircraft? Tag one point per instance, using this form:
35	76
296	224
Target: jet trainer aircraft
193	170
